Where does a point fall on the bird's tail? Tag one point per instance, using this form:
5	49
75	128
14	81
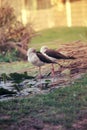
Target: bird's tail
62	56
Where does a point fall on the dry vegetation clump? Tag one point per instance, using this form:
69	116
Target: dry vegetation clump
13	34
78	49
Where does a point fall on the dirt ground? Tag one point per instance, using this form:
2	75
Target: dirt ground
78	49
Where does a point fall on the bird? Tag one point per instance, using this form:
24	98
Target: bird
54	55
38	59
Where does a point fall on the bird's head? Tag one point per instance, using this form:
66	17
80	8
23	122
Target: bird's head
43	49
30	50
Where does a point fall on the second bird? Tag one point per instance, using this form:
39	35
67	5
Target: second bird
53	54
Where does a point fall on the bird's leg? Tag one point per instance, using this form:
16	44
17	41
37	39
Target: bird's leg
53	73
40	72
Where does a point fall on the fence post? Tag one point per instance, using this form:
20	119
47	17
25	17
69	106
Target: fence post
68	13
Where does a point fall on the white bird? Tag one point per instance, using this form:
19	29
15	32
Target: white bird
38	59
53	54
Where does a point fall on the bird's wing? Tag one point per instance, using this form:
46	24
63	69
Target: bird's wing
55	54
44	58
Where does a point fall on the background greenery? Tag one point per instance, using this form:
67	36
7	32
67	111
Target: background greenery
56	36
52	38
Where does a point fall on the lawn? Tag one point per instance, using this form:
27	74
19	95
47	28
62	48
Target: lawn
56	36
63	106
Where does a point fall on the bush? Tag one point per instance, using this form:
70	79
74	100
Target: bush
13	35
9	57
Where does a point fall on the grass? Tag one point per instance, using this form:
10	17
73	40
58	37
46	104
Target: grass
21	67
62	106
59	35
13	67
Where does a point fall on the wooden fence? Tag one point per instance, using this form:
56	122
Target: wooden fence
57	15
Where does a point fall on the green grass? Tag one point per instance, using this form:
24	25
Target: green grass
59	35
21	67
62	106
14	67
